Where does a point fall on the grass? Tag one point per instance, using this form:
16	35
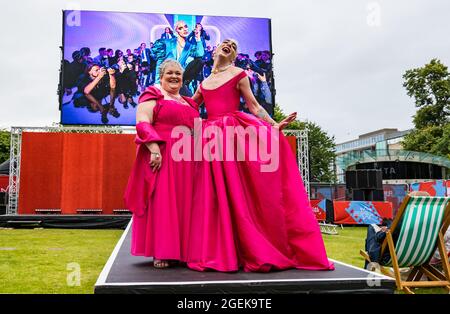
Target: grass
39	260
345	246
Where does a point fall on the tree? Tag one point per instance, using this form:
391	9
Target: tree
442	145
431	139
430	88
4	145
321	148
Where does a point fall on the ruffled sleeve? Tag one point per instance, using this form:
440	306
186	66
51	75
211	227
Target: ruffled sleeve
146	133
141	184
151	93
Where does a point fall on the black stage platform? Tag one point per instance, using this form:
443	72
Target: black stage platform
124	273
85	221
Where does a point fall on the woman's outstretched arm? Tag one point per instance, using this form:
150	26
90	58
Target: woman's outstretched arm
256	109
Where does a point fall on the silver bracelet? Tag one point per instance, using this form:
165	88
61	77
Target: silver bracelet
154	153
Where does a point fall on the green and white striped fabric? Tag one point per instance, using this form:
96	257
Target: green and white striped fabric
419	229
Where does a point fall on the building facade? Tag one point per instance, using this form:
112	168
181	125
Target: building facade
382	149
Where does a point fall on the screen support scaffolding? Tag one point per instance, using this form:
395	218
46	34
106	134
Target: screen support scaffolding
16	146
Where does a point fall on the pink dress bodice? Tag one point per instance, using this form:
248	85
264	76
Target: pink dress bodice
223	99
169	113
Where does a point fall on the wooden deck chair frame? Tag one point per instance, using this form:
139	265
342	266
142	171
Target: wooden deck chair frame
436	278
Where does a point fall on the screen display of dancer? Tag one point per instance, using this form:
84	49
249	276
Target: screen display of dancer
110	58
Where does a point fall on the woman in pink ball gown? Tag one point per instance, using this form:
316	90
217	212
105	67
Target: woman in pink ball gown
160	188
253	213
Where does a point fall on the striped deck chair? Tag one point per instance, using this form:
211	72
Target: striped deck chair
422	222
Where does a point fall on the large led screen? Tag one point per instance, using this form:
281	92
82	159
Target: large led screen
131	46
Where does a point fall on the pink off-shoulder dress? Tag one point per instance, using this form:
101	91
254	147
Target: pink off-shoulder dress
244	217
161	201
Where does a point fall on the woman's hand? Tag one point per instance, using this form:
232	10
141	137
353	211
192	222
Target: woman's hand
285	121
155	156
262	78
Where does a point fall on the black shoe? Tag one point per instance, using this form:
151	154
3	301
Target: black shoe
125	105
80	104
113	111
105	117
133	104
90	109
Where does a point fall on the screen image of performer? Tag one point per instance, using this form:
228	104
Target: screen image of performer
199	35
178	47
194	70
72	71
168	33
93	86
258	82
102	58
159	190
127	87
147	64
255	220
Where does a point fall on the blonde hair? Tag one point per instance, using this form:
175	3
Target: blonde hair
166	63
178	23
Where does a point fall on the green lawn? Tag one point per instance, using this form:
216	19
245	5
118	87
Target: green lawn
345	246
37	260
40	260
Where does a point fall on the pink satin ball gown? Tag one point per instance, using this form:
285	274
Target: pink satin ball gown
161	201
246	218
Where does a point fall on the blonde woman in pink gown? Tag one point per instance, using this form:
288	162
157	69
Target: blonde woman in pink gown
244	217
160	188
